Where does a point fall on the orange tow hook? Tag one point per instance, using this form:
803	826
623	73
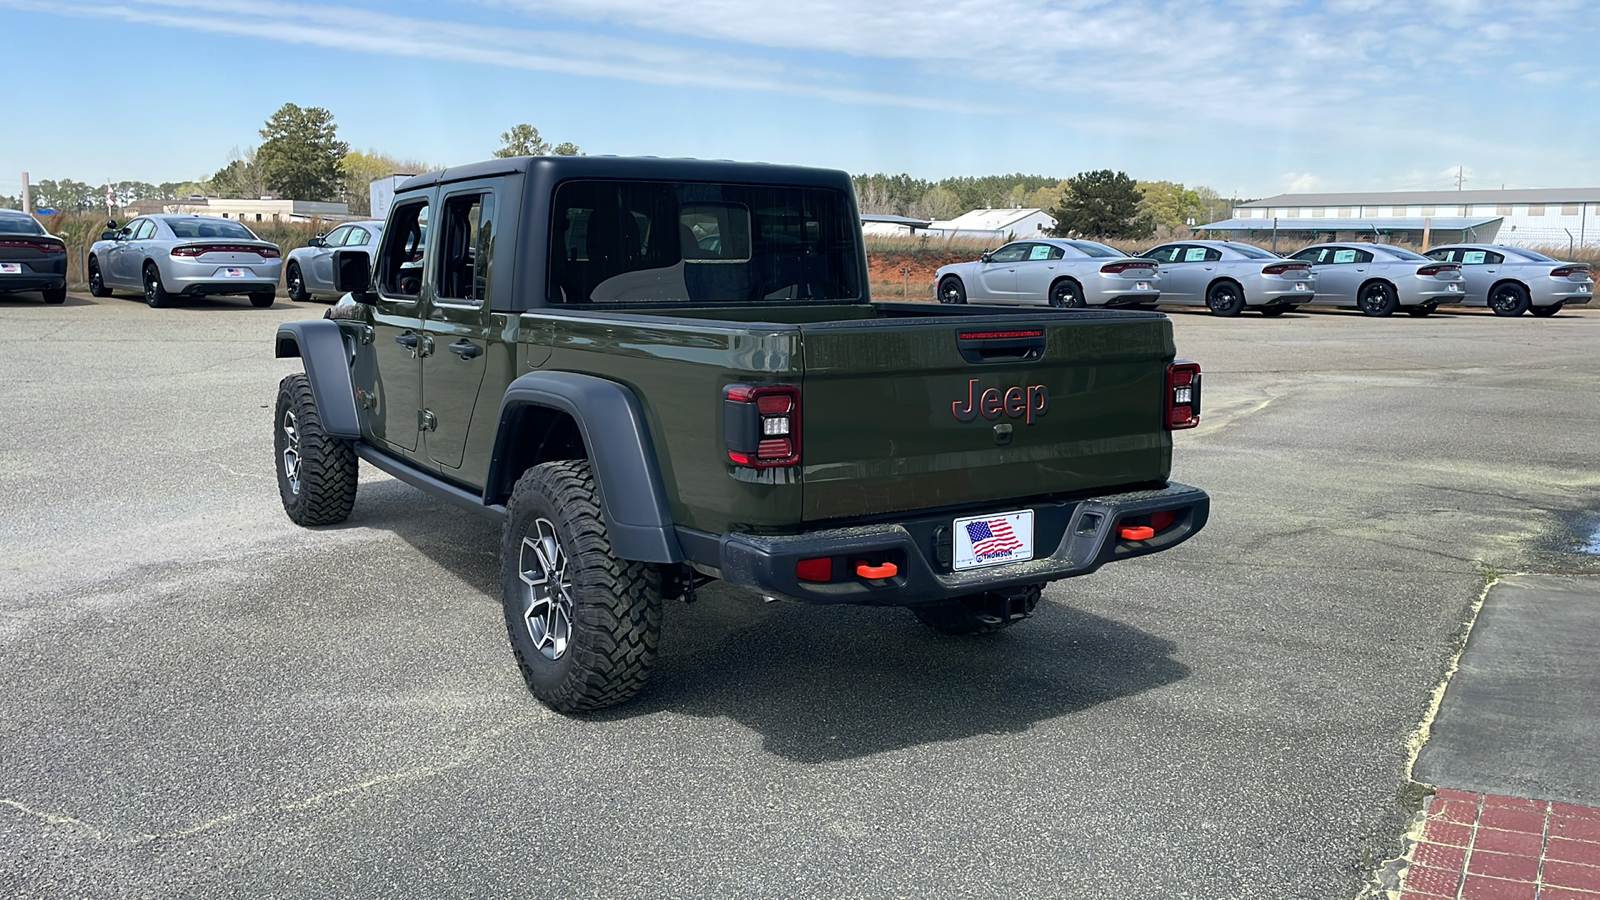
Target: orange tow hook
887	570
1137	532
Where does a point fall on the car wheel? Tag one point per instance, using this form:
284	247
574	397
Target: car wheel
97	282
1270	311
1378	299
55	295
1225	299
154	293
1066	295
317	472
583	624
263	299
1545	312
951	290
1426	309
1510	300
980	613
296	284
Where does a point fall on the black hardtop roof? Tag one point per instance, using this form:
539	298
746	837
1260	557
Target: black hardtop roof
637	168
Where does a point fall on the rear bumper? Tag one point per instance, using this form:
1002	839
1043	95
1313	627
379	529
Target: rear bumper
198	278
31	281
1071	538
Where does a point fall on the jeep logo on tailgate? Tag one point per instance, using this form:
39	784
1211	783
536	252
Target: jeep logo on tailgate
1017	402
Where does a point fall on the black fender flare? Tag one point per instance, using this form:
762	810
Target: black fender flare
321	348
633	498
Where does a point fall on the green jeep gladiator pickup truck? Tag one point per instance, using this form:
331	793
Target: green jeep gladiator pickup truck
659	372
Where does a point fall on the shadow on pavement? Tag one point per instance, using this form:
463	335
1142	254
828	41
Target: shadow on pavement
826	683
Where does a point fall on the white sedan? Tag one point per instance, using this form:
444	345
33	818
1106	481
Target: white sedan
1062	273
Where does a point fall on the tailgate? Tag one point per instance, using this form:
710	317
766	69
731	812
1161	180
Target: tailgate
908	414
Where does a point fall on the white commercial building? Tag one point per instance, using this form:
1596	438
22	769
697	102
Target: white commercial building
1550	217
996	224
252	211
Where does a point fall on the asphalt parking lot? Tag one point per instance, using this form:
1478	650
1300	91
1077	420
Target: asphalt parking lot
198	698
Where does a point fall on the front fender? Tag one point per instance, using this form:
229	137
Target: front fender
321	348
621	454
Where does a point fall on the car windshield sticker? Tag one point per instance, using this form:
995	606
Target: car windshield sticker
1040	251
1344	256
1473	257
1194	254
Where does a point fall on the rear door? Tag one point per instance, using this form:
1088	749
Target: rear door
907	414
1036	271
1480	269
456	329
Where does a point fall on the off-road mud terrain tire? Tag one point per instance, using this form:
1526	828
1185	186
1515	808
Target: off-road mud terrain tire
613	606
980	613
322	489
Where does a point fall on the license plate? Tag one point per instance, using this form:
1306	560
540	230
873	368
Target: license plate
1301	286
233	273
10	268
992	540
1141	285
1583	289
1453	287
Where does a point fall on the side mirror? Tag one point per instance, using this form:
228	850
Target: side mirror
352	274
317	242
108	235
112	224
986	256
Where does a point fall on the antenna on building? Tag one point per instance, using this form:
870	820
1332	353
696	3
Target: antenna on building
1461	175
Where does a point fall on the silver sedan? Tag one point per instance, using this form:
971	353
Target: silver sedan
309	270
1511	280
1062	273
168	257
1229	277
1381	278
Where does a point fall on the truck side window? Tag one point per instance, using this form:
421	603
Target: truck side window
400	258
465	247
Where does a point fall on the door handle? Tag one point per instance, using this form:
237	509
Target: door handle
465	349
407	340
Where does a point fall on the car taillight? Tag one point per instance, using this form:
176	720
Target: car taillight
1569	271
1439	270
1183	395
1119	268
53	248
46	247
761	425
191	251
1285	268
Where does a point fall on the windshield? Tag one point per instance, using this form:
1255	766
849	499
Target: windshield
1254	252
1099	251
19	225
1402	253
209	228
641	241
1529	254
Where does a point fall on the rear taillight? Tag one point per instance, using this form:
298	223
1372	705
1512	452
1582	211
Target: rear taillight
1183	395
1285	268
1439	270
761	425
192	251
1121	267
1569	271
50	249
45	247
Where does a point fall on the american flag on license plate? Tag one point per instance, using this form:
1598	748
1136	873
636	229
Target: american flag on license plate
991	536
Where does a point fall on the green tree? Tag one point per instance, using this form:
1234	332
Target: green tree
10	202
1101	204
566	148
522	140
938	203
241	179
1168	204
300	154
68	196
362	169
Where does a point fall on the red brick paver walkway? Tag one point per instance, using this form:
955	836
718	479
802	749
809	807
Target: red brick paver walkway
1488	847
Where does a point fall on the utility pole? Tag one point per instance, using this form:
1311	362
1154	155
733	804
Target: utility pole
27	195
1461	176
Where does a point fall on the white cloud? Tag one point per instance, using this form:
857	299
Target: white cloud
1298	183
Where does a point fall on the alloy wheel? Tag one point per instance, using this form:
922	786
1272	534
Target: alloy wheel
291	451
546	590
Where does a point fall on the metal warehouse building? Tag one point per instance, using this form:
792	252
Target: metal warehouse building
1555	218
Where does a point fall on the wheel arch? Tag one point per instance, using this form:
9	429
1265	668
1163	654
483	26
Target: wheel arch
1070	279
1378	279
1503	282
321	348
540	415
1228	279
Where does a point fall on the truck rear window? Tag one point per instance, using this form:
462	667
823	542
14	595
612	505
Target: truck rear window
643	241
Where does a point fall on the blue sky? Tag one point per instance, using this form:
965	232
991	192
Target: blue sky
1250	97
